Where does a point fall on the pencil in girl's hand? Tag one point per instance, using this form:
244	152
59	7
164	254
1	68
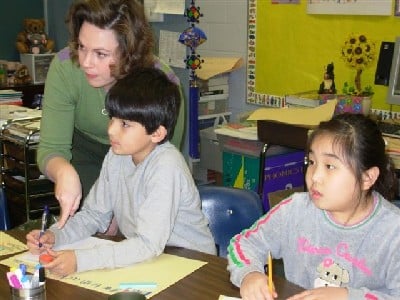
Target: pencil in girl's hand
270	282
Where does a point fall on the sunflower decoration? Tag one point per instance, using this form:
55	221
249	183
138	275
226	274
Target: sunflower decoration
358	52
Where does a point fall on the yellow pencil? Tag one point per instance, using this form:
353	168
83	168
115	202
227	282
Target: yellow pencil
270	282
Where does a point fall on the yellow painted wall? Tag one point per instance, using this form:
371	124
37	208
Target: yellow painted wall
293	48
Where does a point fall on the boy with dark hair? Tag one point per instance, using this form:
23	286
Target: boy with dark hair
144	183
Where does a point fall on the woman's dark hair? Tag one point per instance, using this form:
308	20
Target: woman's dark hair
148	97
362	147
128	21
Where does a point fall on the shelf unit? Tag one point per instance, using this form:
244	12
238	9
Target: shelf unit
26	189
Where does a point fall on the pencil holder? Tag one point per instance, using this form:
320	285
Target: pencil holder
36	293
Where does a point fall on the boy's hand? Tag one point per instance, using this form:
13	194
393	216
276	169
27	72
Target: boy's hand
322	293
255	287
33	239
63	264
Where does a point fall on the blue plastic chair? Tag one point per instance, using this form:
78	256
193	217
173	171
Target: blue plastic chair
4	218
229	210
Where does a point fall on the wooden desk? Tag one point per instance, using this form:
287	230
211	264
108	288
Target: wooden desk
206	283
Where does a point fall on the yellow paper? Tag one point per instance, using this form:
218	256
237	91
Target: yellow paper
213	66
164	270
307	117
10	245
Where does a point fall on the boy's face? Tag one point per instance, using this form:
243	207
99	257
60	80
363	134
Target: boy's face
331	183
130	138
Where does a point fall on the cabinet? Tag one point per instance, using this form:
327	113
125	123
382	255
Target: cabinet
27	190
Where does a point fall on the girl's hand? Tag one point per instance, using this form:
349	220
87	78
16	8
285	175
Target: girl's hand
63	264
33	239
322	293
255	287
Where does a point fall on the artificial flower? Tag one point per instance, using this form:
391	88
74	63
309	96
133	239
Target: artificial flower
358	52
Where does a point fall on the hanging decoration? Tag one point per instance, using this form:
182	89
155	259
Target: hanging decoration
193	37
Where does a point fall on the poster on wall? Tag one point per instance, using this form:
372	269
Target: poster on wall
350	7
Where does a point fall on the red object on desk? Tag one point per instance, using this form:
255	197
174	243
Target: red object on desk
45	258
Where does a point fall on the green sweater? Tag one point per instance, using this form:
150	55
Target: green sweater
70	103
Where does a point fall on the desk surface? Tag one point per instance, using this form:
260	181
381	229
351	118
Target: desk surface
207	283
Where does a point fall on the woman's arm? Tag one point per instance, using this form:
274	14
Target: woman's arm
56	131
68	190
58	112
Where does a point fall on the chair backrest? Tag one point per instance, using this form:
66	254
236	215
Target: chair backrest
229	210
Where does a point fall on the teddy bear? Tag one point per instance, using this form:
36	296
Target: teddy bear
33	39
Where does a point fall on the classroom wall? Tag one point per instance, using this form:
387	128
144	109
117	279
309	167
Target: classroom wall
225	24
300	46
296	47
56	13
12	14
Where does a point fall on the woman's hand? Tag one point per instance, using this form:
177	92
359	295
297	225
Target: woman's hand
322	293
255	287
33	239
63	264
68	188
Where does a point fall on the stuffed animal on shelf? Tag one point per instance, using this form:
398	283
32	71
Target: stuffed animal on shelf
33	39
328	85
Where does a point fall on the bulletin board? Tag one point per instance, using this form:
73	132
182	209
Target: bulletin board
288	50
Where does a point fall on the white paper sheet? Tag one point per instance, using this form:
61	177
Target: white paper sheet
174	7
170	50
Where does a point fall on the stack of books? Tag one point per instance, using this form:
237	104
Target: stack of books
10	113
213	102
10	97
